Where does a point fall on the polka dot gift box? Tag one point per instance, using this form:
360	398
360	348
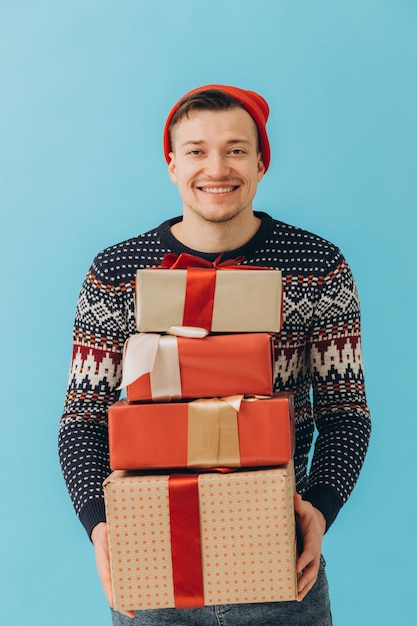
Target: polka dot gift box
188	540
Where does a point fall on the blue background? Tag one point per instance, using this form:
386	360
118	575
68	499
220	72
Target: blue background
85	89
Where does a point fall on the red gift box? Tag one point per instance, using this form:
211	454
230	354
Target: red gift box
216	365
204	433
193	540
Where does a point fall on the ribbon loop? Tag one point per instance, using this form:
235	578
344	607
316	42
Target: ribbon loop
184	261
165	375
157	355
150	353
139	355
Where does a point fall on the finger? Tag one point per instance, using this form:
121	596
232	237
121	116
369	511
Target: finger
103	566
131	614
304	560
310	555
298	504
304	591
306	581
108	591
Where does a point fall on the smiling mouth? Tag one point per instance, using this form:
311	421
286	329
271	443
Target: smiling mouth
218	189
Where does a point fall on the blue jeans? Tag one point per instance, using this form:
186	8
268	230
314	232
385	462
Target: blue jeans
314	610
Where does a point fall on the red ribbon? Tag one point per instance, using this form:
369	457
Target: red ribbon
201	284
185	541
199	297
184	260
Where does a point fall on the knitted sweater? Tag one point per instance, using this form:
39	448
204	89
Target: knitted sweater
317	352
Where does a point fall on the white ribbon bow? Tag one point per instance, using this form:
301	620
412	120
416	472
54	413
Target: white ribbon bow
157	355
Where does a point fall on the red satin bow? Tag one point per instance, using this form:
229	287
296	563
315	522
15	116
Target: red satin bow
184	261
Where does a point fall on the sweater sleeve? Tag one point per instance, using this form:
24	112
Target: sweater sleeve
339	402
100	330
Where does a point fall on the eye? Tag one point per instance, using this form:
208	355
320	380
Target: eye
237	151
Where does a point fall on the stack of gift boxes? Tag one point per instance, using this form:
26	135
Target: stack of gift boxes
200	501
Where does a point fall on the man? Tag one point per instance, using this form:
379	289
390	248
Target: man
217	150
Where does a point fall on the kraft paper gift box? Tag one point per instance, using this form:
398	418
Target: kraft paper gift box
193	540
206	433
219	300
165	367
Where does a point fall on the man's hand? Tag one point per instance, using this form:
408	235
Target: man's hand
100	541
311	524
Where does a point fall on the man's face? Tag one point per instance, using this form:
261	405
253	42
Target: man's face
216	163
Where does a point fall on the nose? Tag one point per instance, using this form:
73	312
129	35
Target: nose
216	165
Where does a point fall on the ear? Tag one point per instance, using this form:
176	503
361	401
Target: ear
261	166
172	169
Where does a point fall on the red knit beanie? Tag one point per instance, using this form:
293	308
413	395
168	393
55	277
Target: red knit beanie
254	104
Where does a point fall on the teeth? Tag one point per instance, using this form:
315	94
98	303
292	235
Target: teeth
217	189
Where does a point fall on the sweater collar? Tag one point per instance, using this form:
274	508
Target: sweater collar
257	242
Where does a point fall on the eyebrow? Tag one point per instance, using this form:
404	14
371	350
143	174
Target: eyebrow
199	142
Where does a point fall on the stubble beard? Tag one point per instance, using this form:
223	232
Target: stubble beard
221	213
218	216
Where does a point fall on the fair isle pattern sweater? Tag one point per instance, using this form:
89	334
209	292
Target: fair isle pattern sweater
318	350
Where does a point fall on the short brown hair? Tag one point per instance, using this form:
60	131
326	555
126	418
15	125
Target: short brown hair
208	100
